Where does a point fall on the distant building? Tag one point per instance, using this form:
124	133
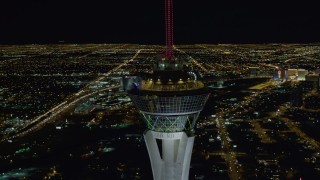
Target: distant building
276	74
128	82
253	71
284	75
84	108
302	74
218	85
314	78
292	74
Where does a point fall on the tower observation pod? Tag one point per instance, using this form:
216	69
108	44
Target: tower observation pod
170	101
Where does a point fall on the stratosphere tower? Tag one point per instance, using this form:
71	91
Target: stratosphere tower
170	101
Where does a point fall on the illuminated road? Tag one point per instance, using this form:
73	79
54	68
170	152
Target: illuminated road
51	115
315	144
261	132
193	60
294	128
123	64
228	155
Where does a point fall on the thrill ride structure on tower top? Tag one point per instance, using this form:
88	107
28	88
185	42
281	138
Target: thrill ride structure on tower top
170	101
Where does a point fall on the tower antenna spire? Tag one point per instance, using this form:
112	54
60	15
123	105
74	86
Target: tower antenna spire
169	29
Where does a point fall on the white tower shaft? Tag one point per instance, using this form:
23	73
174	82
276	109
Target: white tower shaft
171	161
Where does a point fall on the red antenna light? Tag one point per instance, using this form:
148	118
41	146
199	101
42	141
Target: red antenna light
169	29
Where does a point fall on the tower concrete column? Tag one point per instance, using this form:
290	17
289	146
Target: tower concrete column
171	161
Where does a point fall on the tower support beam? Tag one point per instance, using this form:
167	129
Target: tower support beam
171	159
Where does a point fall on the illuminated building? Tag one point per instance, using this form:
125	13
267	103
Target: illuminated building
292	74
170	101
126	82
276	74
253	71
302	74
284	75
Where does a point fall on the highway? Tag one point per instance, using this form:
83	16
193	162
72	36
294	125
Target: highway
51	115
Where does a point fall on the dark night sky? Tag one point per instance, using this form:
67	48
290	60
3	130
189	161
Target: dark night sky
142	21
